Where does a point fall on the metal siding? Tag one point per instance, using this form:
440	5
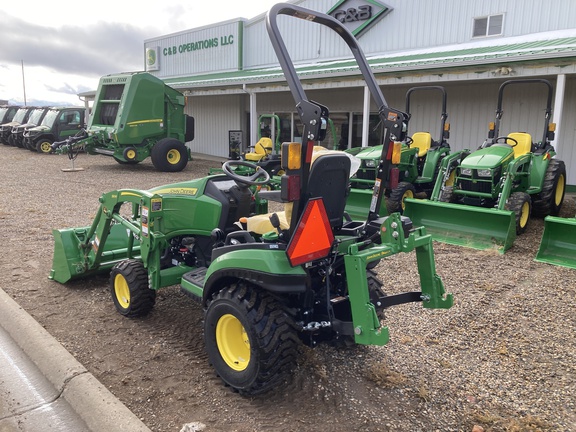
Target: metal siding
214	116
567	131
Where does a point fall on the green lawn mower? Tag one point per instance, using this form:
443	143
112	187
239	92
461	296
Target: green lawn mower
267	281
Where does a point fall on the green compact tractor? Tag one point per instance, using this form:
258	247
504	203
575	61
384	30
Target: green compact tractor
496	188
420	159
136	116
59	123
267	282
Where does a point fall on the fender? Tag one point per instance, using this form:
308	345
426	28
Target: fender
264	267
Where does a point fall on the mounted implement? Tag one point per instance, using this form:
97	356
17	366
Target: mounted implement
136	116
420	160
558	244
496	188
267	282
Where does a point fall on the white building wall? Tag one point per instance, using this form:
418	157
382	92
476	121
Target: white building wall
412	24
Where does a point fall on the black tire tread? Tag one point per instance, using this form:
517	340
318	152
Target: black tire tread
142	298
543	203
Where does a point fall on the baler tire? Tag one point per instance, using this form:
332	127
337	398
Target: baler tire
129	288
549	200
43	146
395	202
169	155
521	204
250	339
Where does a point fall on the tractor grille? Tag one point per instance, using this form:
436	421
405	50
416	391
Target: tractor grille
366	174
478	186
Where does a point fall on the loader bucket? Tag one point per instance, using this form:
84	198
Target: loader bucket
462	225
70	256
358	204
558	244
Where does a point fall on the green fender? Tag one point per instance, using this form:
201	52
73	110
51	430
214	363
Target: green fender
264	267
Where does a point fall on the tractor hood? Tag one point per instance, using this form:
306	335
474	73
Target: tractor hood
370	152
489	157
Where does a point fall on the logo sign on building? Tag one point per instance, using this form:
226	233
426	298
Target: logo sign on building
152	60
359	15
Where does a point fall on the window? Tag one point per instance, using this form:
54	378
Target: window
488	26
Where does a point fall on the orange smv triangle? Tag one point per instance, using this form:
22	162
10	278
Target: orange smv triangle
313	237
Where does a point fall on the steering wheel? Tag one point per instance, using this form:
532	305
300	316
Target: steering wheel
408	140
250	180
506	139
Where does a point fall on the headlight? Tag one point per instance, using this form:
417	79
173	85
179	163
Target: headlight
466	172
370	163
484	173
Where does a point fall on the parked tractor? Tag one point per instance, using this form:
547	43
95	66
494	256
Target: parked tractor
496	188
59	123
267	281
136	116
419	161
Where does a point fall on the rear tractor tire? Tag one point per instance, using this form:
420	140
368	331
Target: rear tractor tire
169	155
549	201
521	204
395	202
129	288
250	340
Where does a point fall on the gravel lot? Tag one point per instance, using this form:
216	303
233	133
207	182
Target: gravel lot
503	358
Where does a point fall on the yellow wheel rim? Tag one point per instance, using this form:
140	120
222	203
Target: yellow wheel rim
233	342
130	155
45	147
122	291
173	157
559	190
450	180
524	214
407	194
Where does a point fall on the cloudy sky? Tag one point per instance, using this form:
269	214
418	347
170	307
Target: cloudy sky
66	47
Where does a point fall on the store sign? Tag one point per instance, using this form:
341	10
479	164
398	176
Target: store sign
198	45
359	15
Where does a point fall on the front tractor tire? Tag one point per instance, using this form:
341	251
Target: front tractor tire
129	288
250	340
169	155
521	204
395	202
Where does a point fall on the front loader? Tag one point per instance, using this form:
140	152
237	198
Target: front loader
420	159
136	116
267	281
497	188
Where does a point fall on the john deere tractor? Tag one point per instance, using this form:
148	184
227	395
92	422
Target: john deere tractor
496	188
266	281
136	116
419	160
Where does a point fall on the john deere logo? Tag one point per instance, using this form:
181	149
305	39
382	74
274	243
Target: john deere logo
359	15
151	57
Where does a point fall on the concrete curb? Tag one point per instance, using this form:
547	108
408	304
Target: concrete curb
90	400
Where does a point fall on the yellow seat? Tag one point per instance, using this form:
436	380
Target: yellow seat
262	149
260	224
524	143
422	141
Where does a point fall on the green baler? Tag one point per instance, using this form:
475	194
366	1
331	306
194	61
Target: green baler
136	116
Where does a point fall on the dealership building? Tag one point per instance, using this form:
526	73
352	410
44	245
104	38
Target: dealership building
236	89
